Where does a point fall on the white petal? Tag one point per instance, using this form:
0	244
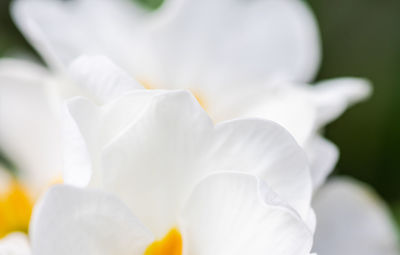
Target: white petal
29	127
267	150
88	128
15	244
81	144
351	220
101	79
209	43
164	152
202	42
157	157
323	156
76	221
232	213
63	30
284	103
332	97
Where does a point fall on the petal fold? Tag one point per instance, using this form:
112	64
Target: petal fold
233	213
173	144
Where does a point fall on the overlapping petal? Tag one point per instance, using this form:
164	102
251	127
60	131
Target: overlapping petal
69	220
227	213
170	135
173	143
237	214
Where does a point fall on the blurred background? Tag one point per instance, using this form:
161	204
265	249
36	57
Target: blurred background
359	38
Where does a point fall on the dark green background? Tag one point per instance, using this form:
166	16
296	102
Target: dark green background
360	38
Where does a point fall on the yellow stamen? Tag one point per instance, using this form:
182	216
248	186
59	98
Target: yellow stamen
15	209
171	244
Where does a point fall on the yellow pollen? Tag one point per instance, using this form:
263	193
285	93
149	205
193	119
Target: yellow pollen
15	210
171	244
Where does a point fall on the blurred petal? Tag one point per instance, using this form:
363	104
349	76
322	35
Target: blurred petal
29	128
199	42
176	143
323	156
334	96
232	213
15	244
286	104
101	79
351	220
74	221
63	30
209	43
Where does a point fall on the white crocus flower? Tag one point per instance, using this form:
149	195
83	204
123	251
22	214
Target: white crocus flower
352	220
195	187
239	58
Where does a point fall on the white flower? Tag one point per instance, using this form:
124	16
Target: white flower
226	213
239	58
184	178
352	220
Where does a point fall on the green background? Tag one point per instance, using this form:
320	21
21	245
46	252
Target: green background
359	38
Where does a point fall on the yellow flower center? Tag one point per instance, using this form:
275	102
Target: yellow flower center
15	210
171	244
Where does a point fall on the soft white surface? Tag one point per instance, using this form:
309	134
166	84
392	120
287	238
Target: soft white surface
15	244
189	41
227	213
352	220
323	156
235	214
176	142
29	127
69	220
